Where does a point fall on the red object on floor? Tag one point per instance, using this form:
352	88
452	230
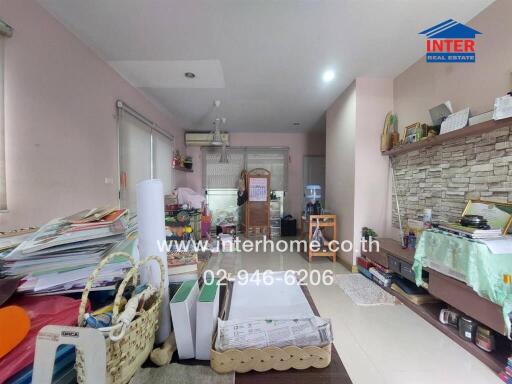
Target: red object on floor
42	310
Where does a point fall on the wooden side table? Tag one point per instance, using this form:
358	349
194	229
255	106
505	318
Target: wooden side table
308	227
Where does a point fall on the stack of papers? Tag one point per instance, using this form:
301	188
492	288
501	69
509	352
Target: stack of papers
472	233
502	107
455	121
61	255
10	240
499	246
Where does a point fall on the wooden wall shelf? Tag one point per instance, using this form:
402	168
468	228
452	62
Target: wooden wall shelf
470	130
183	169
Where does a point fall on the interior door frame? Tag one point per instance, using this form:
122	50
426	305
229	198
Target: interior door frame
304	180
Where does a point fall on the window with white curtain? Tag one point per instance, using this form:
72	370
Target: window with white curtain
221	180
219	175
162	158
274	160
5	32
144	153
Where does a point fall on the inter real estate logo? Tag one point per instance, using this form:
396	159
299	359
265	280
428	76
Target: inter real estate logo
450	42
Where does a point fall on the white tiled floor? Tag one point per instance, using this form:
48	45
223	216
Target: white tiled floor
383	344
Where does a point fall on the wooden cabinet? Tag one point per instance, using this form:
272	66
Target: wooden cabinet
463	298
453	293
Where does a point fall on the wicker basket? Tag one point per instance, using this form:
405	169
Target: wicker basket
265	359
125	356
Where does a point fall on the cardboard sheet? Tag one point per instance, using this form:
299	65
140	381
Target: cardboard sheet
280	300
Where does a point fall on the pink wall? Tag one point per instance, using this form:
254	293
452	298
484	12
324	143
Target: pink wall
357	188
340	164
371	190
425	85
300	144
61	140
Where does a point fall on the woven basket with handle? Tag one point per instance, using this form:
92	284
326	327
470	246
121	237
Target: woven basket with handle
125	356
265	359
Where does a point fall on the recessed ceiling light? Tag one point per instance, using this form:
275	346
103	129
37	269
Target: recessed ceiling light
190	75
328	76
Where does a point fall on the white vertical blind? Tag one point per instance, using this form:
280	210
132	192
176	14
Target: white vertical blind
144	153
3	186
273	160
134	158
217	175
162	157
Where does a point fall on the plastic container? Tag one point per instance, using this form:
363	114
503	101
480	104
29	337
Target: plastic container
467	328
484	339
313	193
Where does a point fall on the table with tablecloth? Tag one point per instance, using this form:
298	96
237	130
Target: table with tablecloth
467	260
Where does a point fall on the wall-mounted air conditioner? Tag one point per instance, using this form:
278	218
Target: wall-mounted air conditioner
201	139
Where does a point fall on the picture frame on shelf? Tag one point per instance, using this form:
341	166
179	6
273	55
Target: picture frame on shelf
412	133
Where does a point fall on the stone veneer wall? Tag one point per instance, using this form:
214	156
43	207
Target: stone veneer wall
445	176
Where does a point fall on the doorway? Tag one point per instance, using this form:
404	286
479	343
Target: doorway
313	172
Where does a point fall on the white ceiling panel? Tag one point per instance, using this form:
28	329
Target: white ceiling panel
171	73
269	54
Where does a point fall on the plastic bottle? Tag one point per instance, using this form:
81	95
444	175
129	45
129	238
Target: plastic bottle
412	240
405	239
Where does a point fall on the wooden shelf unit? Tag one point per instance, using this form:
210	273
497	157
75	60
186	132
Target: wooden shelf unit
308	228
496	360
459	295
470	130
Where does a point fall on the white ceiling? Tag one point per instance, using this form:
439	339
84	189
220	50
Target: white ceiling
262	58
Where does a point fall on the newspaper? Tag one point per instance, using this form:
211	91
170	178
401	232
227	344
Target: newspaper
242	334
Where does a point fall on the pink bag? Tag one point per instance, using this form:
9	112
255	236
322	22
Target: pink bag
42	310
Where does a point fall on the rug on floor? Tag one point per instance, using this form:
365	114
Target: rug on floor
363	291
181	374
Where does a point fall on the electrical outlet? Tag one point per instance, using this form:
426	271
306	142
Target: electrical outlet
109	180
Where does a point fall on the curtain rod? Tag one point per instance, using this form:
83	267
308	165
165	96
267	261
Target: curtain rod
5	29
258	147
121	105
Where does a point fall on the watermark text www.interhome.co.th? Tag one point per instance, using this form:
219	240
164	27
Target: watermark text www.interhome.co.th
269	245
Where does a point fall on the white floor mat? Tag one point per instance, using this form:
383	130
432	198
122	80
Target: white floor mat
362	291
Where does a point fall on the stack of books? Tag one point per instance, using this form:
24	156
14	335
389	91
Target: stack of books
469	232
60	256
506	375
381	278
182	266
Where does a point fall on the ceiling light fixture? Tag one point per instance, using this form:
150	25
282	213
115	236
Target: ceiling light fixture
217	134
328	76
224	156
217	139
190	75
